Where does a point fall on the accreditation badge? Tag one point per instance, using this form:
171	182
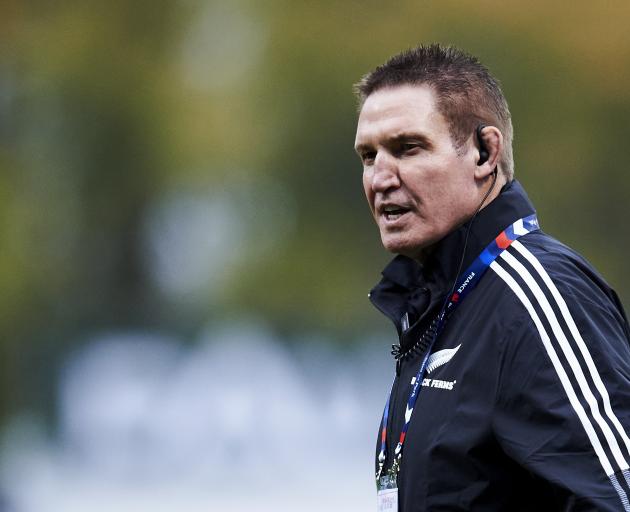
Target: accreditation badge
387	494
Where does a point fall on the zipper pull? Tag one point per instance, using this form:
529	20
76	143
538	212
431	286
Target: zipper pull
397	353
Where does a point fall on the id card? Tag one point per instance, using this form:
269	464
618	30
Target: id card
387	494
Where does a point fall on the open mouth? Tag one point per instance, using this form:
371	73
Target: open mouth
394	212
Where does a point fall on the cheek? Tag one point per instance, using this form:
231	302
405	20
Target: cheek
367	188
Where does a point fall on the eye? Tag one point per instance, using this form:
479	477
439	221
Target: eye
367	157
410	147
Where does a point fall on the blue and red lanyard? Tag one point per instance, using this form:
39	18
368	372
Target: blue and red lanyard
468	280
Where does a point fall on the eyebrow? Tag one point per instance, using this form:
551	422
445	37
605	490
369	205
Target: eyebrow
399	137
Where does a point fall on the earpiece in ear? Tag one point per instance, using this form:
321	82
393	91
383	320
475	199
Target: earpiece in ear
483	151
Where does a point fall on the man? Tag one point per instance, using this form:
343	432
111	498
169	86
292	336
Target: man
512	379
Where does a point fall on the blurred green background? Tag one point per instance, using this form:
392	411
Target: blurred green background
166	165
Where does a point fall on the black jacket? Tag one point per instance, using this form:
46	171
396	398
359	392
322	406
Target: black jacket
528	407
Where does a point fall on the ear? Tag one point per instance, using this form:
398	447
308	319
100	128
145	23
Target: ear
492	139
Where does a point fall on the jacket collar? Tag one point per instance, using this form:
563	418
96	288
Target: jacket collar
408	285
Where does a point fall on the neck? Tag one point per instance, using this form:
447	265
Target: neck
490	191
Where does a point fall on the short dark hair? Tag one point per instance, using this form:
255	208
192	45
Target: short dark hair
466	93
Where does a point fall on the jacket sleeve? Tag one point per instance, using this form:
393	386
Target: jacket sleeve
562	409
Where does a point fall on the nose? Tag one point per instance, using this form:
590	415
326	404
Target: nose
385	173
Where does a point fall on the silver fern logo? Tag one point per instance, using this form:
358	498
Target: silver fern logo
441	357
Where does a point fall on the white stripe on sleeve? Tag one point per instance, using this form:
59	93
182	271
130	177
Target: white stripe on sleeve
570	356
564	379
568	318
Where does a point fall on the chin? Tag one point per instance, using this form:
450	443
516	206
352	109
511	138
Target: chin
409	248
413	247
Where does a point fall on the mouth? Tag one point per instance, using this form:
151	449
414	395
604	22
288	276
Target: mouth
393	212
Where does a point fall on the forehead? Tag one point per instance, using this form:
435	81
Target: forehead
392	111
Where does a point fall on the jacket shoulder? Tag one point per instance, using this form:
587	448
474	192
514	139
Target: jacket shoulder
573	276
561	291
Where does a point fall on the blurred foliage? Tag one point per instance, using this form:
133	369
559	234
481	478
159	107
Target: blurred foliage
108	108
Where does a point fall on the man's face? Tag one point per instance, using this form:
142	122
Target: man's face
417	185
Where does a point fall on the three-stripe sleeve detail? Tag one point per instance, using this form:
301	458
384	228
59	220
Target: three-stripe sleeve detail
568	318
590	417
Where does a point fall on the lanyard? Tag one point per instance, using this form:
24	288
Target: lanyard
466	282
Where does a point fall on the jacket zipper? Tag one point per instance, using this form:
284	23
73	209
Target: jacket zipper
394	395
